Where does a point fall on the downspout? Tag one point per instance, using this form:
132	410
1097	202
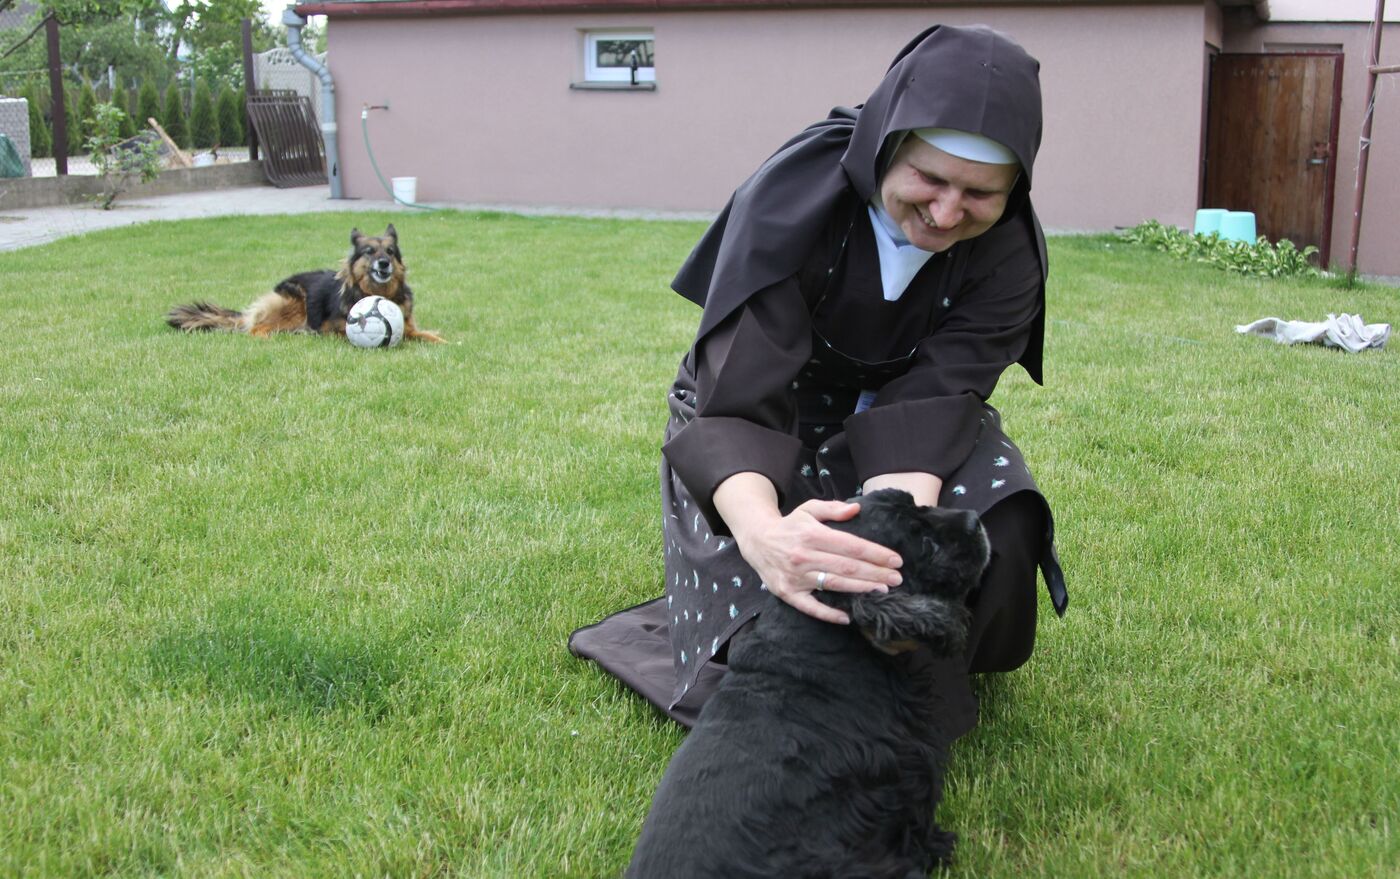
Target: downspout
294	23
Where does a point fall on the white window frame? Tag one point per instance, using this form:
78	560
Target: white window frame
593	73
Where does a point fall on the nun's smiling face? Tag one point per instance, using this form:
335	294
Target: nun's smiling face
939	199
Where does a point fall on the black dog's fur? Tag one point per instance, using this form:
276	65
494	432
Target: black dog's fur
317	301
821	754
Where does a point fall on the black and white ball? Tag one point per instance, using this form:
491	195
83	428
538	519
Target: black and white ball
374	322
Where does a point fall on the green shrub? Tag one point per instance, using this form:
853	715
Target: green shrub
147	105
172	117
119	167
1260	258
244	125
122	100
230	115
73	122
40	138
204	125
87	110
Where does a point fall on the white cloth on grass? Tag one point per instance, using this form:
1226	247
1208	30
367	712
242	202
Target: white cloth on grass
1346	331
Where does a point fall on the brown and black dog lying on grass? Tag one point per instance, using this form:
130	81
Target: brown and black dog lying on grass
318	301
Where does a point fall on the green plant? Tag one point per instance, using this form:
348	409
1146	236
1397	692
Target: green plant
73	122
147	105
120	164
1260	258
230	116
244	124
87	107
173	118
40	138
122	99
204	125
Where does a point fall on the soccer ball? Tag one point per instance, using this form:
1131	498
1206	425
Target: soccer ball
374	322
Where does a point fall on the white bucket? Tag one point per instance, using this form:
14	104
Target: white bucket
406	189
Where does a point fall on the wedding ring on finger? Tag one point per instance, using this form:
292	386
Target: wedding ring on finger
821	580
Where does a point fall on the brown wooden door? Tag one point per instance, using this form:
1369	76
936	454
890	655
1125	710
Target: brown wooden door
1271	143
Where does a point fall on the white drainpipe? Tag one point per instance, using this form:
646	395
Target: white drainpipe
294	24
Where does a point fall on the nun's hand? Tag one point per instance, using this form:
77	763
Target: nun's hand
796	554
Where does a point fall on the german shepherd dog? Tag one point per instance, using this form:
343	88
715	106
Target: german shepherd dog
317	301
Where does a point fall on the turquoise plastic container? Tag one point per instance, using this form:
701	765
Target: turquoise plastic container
1208	220
1238	226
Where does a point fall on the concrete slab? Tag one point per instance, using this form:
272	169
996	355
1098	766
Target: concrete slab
27	227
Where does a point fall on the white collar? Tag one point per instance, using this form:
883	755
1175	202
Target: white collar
900	261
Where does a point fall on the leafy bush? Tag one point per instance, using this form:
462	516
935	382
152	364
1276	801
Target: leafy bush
230	114
1260	258
87	108
244	124
122	99
40	138
119	164
73	123
147	105
204	125
172	117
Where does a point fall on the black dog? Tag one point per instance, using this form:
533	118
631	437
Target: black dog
822	752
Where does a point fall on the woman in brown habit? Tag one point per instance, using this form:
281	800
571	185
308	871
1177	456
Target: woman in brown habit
863	292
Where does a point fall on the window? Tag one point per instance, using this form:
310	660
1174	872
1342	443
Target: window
609	57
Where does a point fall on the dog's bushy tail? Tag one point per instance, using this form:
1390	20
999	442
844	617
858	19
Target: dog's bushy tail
204	316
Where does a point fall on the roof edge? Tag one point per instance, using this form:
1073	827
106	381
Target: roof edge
414	8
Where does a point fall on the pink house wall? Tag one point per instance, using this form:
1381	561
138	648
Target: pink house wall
1379	250
481	110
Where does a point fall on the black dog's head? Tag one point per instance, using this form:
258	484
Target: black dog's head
375	265
945	552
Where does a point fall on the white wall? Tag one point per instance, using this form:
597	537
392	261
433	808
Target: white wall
1330	10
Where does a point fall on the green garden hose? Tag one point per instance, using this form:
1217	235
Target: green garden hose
364	127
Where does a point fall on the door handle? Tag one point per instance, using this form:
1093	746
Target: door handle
1317	161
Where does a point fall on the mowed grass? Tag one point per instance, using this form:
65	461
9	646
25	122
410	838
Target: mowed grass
290	608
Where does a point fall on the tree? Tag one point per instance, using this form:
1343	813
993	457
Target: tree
87	109
244	123
172	117
212	30
73	123
134	51
230	115
119	166
40	138
89	44
76	10
142	39
121	99
147	104
204	125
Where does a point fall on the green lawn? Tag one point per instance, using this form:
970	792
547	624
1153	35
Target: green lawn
291	608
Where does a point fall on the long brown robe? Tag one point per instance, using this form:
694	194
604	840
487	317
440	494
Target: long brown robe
801	371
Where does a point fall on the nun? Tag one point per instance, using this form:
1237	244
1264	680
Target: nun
862	293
